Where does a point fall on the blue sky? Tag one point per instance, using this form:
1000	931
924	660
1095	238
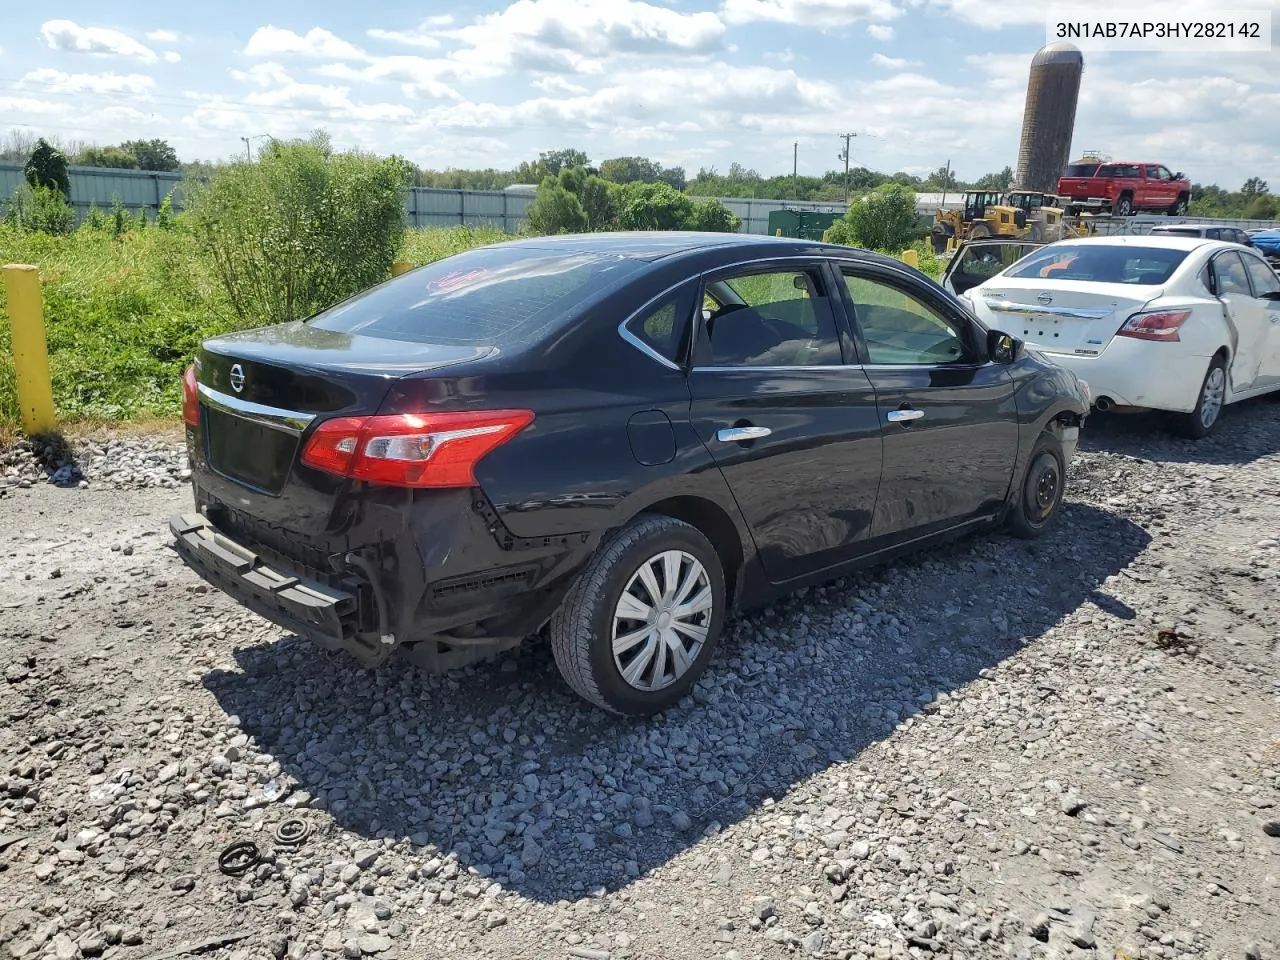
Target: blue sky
695	82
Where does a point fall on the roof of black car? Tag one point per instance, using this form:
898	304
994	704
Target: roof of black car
656	244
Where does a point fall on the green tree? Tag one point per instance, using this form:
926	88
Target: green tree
713	216
553	161
556	209
884	219
47	167
1263	206
653	206
675	176
1001	181
302	228
152	154
113	157
630	170
1254	187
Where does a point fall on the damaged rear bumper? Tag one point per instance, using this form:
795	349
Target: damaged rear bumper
327	616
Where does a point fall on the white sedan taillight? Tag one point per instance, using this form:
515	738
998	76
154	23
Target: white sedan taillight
1156	325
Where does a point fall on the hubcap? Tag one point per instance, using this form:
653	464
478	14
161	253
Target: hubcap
661	620
1215	388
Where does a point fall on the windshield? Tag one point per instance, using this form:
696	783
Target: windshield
493	295
1101	263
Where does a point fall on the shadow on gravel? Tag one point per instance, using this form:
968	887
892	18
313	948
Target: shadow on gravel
499	765
53	455
1247	432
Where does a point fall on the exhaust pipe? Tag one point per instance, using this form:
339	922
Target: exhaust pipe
1104	404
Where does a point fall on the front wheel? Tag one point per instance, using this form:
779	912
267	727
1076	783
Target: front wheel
1039	498
1179	209
1199	423
1124	207
638	627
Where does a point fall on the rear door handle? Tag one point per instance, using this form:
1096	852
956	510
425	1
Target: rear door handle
739	434
901	416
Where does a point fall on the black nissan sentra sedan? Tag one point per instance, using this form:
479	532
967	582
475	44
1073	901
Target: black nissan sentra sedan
623	437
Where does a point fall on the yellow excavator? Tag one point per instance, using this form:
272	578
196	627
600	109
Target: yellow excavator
1046	219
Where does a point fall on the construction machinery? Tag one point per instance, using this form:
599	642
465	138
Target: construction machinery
984	214
1046	220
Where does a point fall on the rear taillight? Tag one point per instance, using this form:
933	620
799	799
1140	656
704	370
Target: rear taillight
1158	325
190	397
412	449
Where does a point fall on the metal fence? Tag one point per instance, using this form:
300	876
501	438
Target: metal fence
101	187
505	209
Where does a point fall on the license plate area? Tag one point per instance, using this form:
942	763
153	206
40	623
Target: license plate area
249	451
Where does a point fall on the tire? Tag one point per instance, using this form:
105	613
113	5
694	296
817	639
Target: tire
1179	208
1200	422
583	630
979	230
1040	492
1124	206
1036	233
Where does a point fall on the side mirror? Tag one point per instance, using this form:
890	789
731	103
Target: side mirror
1178	175
1001	347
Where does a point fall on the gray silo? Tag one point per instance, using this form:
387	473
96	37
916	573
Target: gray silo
1049	117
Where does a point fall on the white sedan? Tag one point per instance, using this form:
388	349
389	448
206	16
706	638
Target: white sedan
1181	324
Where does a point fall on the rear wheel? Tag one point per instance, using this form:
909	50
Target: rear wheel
1213	395
640	624
979	230
1040	494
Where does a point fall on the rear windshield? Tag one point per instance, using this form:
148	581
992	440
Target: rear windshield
493	295
1081	169
1099	263
1177	231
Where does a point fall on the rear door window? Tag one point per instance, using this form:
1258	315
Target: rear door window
662	328
769	318
1231	275
492	295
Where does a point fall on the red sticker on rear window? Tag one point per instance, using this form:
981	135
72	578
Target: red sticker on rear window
451	281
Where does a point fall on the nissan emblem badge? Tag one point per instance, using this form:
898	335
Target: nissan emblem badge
237	377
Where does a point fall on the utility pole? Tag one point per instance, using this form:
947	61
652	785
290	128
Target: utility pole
795	168
846	137
946	178
247	154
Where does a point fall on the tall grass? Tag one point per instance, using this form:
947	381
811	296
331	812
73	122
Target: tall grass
123	315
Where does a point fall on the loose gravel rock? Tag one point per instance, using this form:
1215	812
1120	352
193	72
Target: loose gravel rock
1063	748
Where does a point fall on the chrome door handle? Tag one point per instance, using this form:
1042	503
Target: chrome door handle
900	416
738	434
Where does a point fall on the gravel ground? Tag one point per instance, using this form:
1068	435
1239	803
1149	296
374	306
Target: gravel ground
1062	748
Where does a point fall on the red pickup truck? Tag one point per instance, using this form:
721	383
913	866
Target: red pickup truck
1124	188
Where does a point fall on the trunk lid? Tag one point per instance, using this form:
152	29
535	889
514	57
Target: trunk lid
261	390
1068	317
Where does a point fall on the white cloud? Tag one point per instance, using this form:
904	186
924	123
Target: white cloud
18	105
163	36
55	81
881	32
270	41
410	38
557	84
577	35
419	77
172	56
892	63
809	13
73	38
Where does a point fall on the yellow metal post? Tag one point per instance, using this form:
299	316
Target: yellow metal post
778	232
826	236
30	350
911	258
400	267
